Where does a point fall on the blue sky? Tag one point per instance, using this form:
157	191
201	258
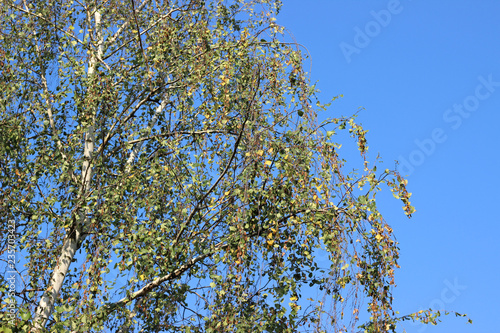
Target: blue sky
428	75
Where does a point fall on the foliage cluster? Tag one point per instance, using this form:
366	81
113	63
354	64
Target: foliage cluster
166	170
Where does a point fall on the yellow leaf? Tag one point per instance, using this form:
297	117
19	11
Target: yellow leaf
379	237
293	298
260	152
268	162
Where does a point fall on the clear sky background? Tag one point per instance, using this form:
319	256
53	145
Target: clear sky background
428	75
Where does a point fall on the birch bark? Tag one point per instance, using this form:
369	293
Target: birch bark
75	235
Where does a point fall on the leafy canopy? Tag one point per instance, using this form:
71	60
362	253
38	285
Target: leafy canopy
166	170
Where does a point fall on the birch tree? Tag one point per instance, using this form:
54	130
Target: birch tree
167	172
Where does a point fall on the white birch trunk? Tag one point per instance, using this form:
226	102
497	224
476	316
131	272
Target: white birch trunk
70	246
